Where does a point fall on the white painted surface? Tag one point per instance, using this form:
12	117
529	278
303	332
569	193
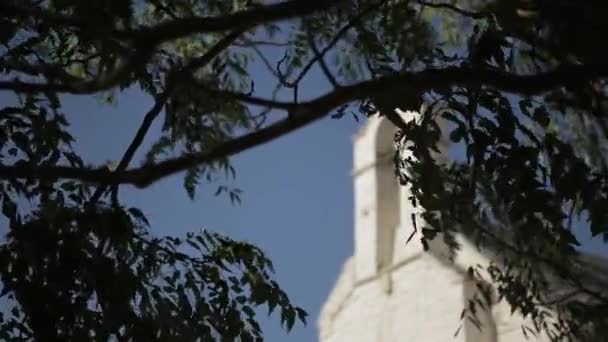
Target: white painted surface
389	291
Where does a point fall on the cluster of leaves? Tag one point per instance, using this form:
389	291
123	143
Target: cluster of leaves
94	273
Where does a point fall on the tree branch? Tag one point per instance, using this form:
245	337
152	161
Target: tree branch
172	83
181	27
307	112
321	54
470	14
263	14
319	57
69	84
145	40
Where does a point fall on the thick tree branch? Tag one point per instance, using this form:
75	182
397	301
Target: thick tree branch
463	12
181	27
264	14
146	40
308	112
69	84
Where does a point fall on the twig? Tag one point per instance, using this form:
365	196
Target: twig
248	43
172	83
474	15
337	37
265	61
319	57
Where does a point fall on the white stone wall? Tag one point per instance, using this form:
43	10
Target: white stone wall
376	198
389	291
423	304
419	299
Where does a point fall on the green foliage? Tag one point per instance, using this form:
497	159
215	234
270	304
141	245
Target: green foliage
95	273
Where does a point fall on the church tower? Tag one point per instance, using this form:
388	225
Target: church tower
382	206
389	291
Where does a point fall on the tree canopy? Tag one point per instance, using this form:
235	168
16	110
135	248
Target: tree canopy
521	83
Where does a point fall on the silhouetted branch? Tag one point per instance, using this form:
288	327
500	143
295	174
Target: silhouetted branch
70	84
172	82
246	43
144	41
337	37
248	18
319	57
305	113
471	14
181	27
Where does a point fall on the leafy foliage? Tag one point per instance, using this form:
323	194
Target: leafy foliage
96	274
517	88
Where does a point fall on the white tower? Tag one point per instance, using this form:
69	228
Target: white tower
389	291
